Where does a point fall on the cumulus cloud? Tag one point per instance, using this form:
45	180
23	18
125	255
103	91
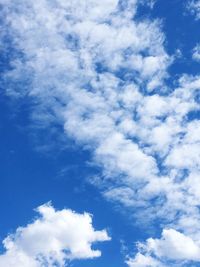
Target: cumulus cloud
173	246
143	261
53	239
100	73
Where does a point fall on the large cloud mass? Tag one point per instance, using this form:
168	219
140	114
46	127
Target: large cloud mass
99	71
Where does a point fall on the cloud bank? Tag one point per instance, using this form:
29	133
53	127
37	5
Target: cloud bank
100	72
53	239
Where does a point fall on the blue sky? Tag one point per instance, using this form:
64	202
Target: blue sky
99	133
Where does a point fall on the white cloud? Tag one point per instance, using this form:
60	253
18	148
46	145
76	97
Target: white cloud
174	247
143	261
55	237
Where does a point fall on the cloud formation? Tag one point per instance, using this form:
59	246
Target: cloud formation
173	247
53	239
101	74
194	8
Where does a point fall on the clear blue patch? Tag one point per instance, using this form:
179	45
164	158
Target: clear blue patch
193	115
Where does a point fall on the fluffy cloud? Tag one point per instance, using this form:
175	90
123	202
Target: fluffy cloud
100	73
52	239
143	261
173	246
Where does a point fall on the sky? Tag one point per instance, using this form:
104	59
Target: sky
100	133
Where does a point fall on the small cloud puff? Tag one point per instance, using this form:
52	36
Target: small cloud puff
196	53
